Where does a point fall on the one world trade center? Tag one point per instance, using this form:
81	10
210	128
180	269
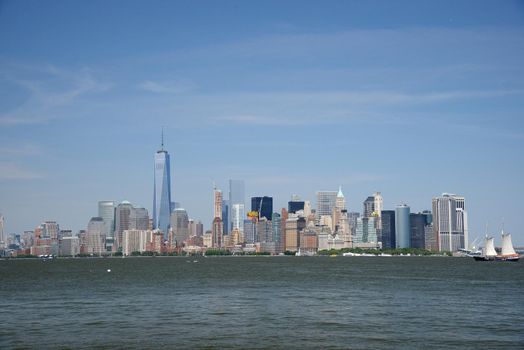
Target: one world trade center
162	191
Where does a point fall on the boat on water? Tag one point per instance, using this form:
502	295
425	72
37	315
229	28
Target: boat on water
490	254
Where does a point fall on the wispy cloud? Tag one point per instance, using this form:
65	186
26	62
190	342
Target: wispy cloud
167	87
52	89
334	107
12	171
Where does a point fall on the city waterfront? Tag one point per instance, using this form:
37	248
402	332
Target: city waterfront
262	302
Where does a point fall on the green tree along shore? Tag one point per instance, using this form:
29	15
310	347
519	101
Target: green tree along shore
224	252
397	251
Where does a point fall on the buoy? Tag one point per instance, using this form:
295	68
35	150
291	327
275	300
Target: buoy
108	270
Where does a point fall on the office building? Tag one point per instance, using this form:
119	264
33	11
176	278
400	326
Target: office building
294	206
217	204
217	233
139	219
365	231
294	225
122	220
402	228
276	221
95	236
180	226
3	236
340	202
326	201
263	206
106	210
162	191
450	222
388	229
236	202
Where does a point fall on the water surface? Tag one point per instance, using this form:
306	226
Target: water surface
262	302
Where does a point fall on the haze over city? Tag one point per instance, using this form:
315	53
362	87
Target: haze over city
410	99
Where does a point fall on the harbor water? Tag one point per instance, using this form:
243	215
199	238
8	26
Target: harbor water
262	302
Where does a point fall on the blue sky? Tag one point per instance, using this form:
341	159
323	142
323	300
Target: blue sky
410	98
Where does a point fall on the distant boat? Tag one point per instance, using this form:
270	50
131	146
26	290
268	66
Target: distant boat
490	254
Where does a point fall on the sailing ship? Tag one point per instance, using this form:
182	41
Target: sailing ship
490	254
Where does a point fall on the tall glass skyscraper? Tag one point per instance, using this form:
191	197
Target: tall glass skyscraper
236	205
162	191
402	226
106	210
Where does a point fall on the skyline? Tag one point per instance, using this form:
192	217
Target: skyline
367	96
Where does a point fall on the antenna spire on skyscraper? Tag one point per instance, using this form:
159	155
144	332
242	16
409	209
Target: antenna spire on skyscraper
162	143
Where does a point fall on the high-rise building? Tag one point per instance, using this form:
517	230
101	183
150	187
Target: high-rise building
379	203
369	207
217	204
352	219
139	219
250	231
95	236
122	221
326	201
264	230
283	218
450	222
236	203
50	230
135	241
106	211
417	228
294	225
276	220
237	217
162	191
180	226
263	206
373	205
216	233
225	215
402	226
3	238
366	231
340	202
295	205
388	229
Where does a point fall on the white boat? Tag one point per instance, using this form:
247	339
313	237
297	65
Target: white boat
490	254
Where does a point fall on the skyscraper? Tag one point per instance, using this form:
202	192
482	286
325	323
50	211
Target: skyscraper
218	204
236	205
295	205
95	236
340	202
450	222
417	229
368	207
122	221
139	219
162	191
263	206
388	229
106	211
373	204
180	225
3	239
402	226
326	201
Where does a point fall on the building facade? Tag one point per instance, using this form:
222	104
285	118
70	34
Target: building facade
402	230
450	222
162	191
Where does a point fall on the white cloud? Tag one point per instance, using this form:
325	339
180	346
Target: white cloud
167	87
52	89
